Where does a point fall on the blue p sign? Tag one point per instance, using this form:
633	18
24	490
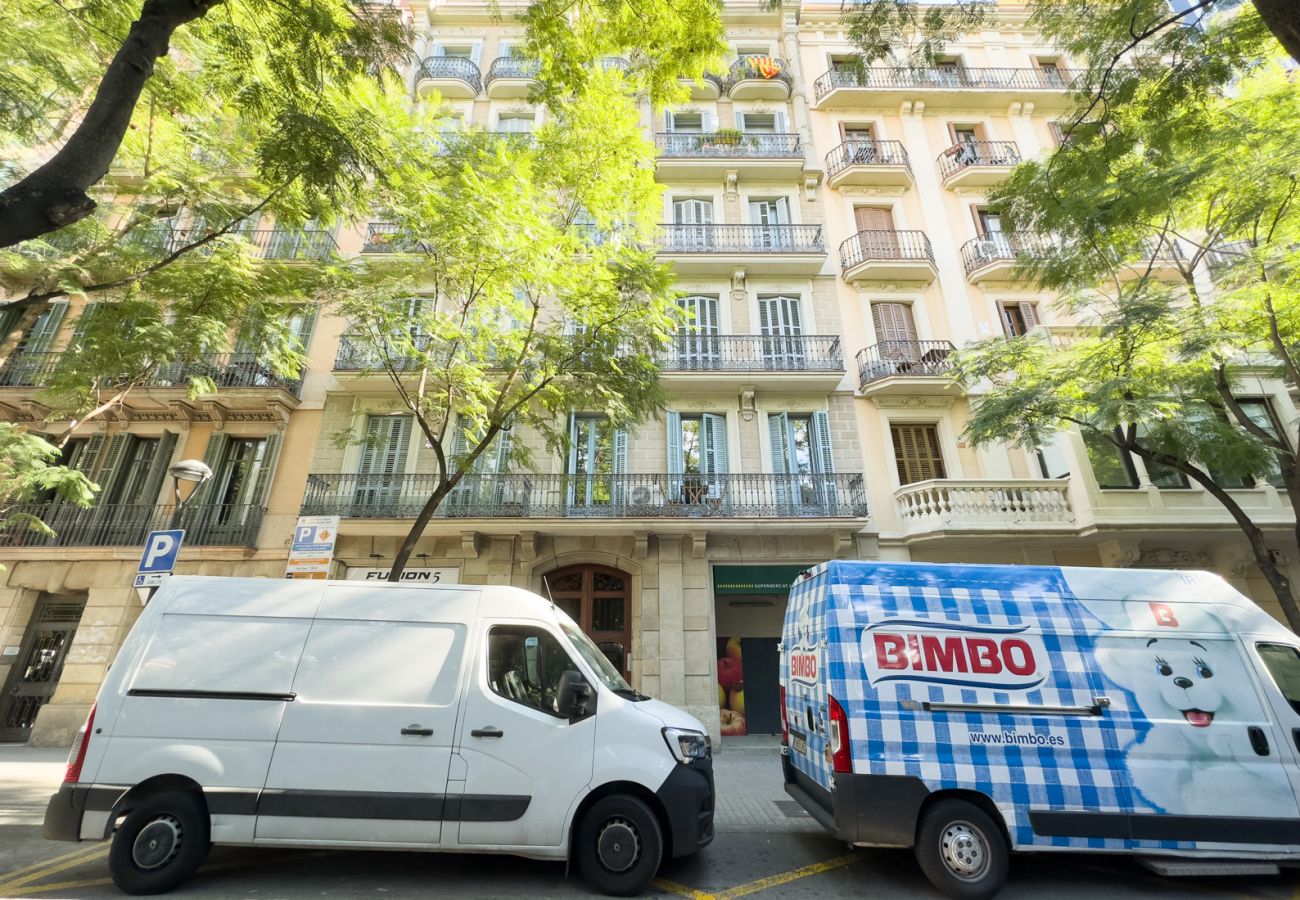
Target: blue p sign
160	551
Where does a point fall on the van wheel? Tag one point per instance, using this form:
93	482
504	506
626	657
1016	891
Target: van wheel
160	844
619	845
961	850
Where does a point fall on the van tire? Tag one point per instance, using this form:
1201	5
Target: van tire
602	853
162	841
961	850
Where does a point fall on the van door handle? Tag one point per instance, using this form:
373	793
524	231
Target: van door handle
490	731
418	731
1258	740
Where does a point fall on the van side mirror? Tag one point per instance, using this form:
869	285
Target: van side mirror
576	700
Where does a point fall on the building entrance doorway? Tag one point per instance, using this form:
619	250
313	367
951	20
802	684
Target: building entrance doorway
35	675
599	599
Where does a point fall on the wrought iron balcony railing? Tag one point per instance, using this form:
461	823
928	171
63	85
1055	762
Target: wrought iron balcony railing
977	153
127	524
946	77
884	244
677	238
910	358
1002	246
226	370
443	67
388	237
1162	249
754	353
728	145
767	68
270	243
512	67
866	153
591	496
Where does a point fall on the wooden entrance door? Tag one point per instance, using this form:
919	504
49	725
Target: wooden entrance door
599	599
35	674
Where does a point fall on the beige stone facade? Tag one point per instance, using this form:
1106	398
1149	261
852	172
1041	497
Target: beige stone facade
769	227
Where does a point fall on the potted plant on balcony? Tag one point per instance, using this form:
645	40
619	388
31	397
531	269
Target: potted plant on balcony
723	137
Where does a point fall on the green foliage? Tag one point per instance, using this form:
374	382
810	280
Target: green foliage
908	34
28	471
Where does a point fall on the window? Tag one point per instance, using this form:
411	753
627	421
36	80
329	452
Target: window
686	122
597	457
990	223
1052	462
1260	411
461	51
516	123
697	456
421	663
1283	663
133	473
758	123
1111	466
1017	318
525	665
1051	69
917	453
1162	476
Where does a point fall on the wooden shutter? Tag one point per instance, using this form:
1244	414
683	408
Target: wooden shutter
40	337
214	456
778	426
262	479
893	322
116	453
162	460
873	218
387	441
821	437
1029	312
304	325
713	433
620	451
676	457
916	448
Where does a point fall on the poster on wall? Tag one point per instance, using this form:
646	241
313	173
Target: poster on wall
731	687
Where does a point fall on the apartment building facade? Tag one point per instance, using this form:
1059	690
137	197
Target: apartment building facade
830	236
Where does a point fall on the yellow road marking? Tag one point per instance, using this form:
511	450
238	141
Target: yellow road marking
763	884
61	886
54	865
681	890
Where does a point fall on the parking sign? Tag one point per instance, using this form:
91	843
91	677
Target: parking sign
312	549
159	558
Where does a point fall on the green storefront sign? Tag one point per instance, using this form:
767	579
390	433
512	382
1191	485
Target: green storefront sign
755	579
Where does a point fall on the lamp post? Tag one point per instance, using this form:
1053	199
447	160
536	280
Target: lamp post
195	472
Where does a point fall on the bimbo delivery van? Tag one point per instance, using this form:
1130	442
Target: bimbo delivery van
346	714
966	711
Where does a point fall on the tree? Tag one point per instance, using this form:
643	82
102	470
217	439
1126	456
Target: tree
28	472
1159	372
80	78
533	291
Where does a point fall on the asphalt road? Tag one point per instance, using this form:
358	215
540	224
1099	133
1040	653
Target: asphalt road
739	863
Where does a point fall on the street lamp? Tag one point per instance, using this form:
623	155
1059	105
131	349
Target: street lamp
195	472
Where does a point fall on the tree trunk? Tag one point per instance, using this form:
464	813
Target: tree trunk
55	194
417	529
1283	19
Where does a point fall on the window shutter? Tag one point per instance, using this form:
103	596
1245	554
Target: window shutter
107	474
162	460
676	459
475	52
709	121
83	320
1030	314
714	433
873	218
916	449
573	444
765	305
89	454
505	441
783	211
213	456
40	337
262	482
438	50
304	326
9	317
821	433
620	451
779	122
893	322
793	315
778	425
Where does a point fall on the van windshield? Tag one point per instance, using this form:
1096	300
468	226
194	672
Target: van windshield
604	669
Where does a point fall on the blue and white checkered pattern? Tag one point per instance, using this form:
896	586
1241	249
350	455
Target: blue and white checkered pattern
1080	763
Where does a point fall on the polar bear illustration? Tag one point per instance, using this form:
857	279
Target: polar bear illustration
1197	757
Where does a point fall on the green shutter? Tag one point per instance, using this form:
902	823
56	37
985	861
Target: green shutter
83	321
676	459
778	429
306	326
213	457
821	434
107	473
162	460
262	480
714	434
40	337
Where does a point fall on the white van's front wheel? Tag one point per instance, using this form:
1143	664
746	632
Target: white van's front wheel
162	841
618	845
961	850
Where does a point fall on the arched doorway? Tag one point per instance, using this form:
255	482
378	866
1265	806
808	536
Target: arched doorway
599	599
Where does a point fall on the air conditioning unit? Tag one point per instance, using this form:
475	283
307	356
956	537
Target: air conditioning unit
987	251
645	495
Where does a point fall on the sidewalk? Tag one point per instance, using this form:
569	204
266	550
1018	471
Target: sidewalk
747	772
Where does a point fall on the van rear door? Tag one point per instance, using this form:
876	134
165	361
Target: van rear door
363	750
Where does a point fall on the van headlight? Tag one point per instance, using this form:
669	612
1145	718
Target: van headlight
688	745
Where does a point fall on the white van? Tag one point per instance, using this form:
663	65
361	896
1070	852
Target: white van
966	711
345	714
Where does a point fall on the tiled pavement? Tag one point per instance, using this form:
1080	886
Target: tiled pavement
751	795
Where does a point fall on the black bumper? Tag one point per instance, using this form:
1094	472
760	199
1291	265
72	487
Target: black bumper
687	796
877	810
63	814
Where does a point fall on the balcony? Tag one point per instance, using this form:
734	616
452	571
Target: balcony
1158	258
757	249
580	497
707	88
685	156
887	256
268	243
869	163
1000	255
758	78
388	237
905	367
947	506
946	86
127	524
454	77
230	372
977	164
807	362
511	78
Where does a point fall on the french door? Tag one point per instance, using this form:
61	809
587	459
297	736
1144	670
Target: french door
699	347
599	599
781	322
